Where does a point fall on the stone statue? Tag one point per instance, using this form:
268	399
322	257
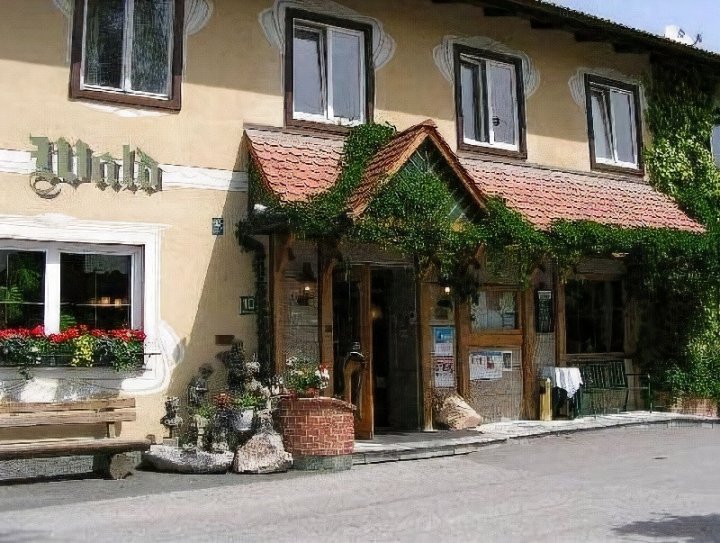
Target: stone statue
172	420
198	387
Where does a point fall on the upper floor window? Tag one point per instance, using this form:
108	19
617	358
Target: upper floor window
489	102
128	51
328	73
715	144
613	123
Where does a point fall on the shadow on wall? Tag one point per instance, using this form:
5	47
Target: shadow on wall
229	275
692	528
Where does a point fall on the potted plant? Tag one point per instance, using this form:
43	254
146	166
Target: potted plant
304	377
245	405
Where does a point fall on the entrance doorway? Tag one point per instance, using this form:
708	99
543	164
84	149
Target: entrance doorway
374	309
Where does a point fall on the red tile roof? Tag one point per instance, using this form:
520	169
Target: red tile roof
544	195
395	154
294	166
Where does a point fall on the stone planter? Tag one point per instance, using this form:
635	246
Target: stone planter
318	432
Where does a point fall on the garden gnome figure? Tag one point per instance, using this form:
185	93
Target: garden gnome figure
172	420
198	387
200	423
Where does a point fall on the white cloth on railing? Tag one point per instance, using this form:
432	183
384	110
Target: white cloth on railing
569	379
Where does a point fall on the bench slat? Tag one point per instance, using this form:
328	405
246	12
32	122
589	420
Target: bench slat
81	405
71	447
65	417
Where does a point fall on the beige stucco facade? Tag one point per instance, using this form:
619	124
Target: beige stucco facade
233	77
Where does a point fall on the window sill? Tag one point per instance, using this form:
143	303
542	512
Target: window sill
320	126
636	171
494	151
131	100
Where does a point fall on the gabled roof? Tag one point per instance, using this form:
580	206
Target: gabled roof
396	154
295	167
544	195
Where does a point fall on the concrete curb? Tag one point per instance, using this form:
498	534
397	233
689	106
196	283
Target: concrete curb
429	446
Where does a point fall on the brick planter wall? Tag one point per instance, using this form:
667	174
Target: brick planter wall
687	406
318	432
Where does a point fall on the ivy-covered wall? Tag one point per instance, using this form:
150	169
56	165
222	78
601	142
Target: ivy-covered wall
672	276
680	333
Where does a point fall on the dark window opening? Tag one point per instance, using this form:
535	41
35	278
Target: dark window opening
594	315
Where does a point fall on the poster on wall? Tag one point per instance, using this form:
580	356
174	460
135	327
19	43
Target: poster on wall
444	341
443	356
486	365
444	370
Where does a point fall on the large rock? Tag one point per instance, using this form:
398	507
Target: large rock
455	413
264	452
163	458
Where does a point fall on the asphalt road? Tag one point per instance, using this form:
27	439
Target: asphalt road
659	484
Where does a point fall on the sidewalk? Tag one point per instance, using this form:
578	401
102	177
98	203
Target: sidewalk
393	447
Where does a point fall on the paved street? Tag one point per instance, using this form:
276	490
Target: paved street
632	484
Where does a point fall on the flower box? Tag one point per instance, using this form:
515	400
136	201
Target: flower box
79	347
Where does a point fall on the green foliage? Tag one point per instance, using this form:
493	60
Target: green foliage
681	329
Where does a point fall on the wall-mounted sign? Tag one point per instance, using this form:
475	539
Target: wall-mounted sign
218	226
544	311
247	305
59	162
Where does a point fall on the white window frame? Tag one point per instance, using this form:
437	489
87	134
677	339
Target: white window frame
482	63
53	250
128	35
326	33
715	151
615	161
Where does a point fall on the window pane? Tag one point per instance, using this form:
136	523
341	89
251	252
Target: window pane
624	119
594	317
715	142
347	81
152	33
95	290
308	72
494	310
105	20
22	289
471	102
503	114
601	124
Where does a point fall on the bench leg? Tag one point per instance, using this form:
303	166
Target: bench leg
113	466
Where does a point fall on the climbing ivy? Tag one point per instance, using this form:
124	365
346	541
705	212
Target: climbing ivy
680	336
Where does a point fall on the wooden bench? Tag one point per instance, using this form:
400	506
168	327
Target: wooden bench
100	411
606	387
